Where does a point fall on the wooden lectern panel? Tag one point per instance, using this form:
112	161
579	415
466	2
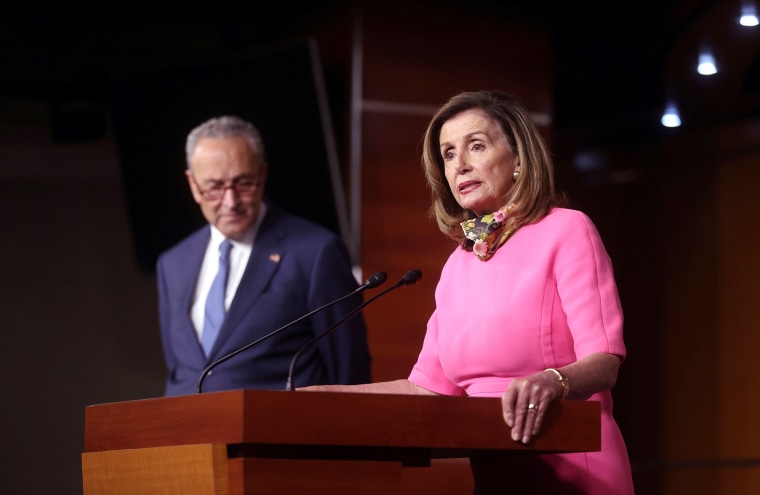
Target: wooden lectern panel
245	441
299	477
180	470
333	425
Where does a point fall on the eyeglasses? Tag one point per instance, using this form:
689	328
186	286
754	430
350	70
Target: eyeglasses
243	188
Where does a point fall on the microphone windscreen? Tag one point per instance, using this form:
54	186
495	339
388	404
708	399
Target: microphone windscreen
376	279
412	277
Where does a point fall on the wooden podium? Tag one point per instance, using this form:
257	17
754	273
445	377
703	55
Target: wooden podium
248	441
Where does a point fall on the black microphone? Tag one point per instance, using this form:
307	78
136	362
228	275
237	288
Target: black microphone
411	277
372	282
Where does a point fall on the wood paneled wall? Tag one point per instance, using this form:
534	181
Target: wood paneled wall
708	399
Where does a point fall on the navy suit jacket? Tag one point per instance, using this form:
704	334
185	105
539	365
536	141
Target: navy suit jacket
295	267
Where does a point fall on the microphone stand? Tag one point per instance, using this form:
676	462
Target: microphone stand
410	278
372	282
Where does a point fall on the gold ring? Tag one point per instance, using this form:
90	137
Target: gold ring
532	406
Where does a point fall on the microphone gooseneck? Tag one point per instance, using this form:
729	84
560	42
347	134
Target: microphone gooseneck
372	282
411	277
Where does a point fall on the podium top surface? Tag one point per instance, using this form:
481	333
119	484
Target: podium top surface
441	426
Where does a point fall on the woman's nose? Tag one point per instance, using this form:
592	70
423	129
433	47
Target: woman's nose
460	163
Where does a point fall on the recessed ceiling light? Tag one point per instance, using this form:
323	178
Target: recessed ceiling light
706	65
671	118
749	15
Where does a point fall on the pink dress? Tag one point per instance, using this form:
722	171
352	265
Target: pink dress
545	299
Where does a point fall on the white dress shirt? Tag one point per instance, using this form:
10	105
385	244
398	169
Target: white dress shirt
239	255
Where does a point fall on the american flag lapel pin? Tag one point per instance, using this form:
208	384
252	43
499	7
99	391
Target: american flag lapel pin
274	257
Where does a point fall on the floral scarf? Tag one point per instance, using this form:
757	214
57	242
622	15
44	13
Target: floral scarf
488	232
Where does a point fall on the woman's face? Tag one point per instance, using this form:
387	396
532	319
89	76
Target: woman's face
478	161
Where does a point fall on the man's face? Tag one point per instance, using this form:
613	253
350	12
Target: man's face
228	166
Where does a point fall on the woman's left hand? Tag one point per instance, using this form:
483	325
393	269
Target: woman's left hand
526	401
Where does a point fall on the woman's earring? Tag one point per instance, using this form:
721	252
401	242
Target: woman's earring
515	175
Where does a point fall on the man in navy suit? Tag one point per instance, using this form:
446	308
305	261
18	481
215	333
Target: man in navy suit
281	268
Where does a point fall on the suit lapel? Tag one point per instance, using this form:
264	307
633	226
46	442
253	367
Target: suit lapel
187	279
268	250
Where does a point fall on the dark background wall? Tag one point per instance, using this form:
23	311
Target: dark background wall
676	207
275	86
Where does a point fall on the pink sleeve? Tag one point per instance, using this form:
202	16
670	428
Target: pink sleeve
587	289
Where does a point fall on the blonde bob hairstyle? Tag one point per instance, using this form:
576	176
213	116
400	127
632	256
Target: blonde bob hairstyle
533	194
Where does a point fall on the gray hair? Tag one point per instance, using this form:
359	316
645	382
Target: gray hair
226	126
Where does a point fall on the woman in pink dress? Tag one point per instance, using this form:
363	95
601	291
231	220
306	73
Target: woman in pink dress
527	308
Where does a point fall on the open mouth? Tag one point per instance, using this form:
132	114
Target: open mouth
468	186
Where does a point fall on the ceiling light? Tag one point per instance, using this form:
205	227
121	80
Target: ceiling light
706	65
749	15
671	118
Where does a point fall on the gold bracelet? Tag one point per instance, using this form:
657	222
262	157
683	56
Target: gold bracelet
563	380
